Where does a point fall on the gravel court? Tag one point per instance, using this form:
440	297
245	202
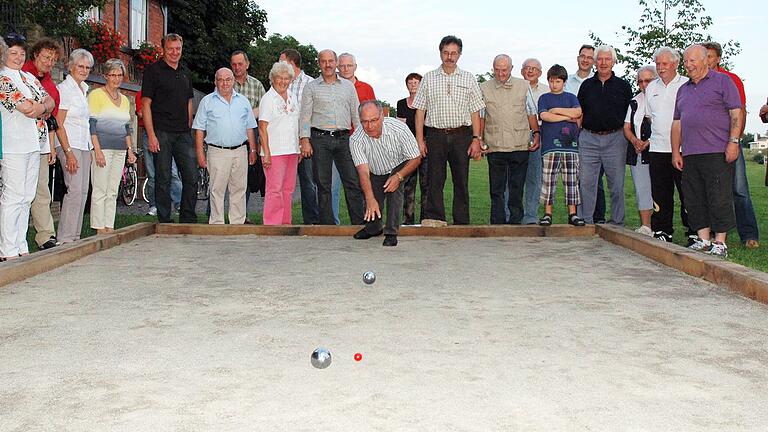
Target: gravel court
215	333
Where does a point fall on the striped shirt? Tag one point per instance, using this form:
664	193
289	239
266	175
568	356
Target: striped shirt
296	88
395	146
251	89
449	100
328	106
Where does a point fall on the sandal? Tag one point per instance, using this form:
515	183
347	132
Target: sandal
546	220
574	220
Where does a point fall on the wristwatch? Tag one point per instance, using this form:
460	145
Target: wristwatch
399	177
734	140
477	137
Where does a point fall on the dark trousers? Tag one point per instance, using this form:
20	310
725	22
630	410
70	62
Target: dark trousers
708	185
325	151
409	193
507	170
599	214
180	148
393	201
664	179
451	148
309	209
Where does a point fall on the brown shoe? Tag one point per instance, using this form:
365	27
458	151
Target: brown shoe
752	244
433	223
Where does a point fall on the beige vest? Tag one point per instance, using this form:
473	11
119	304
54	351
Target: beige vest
506	119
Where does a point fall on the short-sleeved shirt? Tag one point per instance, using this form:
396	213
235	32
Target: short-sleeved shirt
225	123
170	90
407	113
395	146
448	99
364	91
562	136
20	134
736	80
77	123
252	89
328	107
282	117
573	84
703	110
110	123
604	104
660	106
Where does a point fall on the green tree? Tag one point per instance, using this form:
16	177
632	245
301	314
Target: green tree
212	30
673	23
60	19
746	139
267	51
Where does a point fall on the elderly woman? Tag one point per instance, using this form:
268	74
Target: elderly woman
23	106
279	135
407	113
74	144
110	125
637	130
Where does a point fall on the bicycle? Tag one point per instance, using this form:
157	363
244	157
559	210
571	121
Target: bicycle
128	183
203	187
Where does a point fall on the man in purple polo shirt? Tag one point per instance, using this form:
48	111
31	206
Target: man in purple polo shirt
707	121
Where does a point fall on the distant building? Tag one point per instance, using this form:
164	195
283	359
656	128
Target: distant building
760	143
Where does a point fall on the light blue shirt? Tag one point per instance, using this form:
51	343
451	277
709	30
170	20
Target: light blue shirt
225	123
574	83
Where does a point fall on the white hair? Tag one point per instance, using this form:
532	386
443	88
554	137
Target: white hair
673	54
648	68
529	60
346	54
80	54
501	57
606	48
280	68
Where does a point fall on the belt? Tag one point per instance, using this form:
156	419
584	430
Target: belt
451	131
226	148
608	132
333	133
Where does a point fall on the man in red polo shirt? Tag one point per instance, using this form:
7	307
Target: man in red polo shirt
347	67
746	222
43	57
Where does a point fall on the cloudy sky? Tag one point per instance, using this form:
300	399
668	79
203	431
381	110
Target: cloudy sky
394	37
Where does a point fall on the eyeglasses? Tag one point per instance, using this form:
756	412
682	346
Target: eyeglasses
585	57
226	80
83	67
115	75
531	68
644	81
371	121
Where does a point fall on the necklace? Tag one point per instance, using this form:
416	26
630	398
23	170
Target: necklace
115	97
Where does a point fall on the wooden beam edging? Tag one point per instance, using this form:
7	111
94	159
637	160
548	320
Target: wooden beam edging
406	231
736	277
43	261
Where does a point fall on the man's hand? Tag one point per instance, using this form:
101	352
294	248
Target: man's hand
677	161
201	162
475	150
252	157
423	148
153	144
732	152
536	143
372	211
305	147
392	184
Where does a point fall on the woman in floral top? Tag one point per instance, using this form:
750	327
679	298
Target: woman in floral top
23	106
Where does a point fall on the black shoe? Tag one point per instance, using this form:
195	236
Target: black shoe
599	221
574	220
390	240
364	235
248	222
51	243
662	236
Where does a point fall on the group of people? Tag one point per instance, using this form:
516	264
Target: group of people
677	133
89	133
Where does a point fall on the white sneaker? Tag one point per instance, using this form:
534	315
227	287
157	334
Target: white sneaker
701	245
645	230
152	211
719	250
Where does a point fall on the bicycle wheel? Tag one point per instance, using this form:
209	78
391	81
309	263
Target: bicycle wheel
129	185
144	190
202	184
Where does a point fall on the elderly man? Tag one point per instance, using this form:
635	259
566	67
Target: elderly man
604	100
531	72
385	154
509	119
309	211
707	122
166	99
347	67
448	106
660	96
43	57
328	113
225	121
746	222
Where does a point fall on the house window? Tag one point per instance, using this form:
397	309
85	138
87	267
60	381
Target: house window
91	14
138	22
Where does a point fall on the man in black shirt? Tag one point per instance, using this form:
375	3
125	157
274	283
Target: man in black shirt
167	111
604	99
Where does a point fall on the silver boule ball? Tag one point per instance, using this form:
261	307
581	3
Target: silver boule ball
369	277
321	358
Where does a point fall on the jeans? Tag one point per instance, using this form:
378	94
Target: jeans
746	223
608	152
450	148
149	164
310	212
328	150
176	147
532	187
507	170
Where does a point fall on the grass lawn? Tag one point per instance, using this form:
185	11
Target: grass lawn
480	212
